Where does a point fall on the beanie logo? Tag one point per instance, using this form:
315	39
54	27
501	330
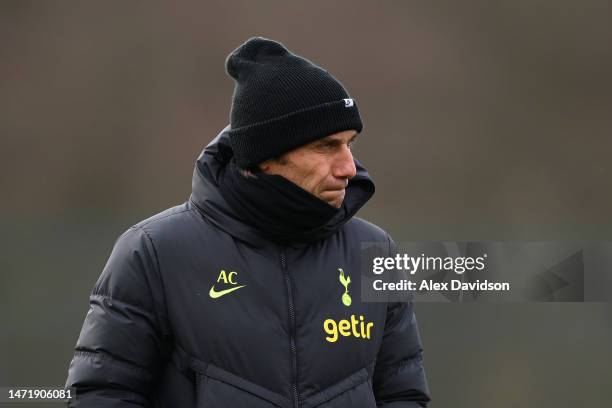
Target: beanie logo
348	102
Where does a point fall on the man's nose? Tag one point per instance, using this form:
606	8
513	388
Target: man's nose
345	165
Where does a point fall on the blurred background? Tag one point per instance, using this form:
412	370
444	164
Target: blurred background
483	121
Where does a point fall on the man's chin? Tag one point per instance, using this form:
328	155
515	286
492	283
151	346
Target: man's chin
333	198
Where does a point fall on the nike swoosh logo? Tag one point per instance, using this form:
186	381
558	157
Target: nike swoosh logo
214	294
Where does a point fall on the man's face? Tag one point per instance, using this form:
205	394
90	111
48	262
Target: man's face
322	167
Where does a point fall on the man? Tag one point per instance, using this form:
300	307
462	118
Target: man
247	295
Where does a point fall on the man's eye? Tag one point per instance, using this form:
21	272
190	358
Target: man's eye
351	144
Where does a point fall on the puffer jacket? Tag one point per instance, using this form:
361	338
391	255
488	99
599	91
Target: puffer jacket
196	309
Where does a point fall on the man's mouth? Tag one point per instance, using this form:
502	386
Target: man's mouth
333	195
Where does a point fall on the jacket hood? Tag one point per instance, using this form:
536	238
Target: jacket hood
206	196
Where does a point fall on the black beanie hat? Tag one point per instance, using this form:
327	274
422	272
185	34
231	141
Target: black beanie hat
282	101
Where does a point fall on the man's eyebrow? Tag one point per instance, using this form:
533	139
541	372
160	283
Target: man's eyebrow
339	138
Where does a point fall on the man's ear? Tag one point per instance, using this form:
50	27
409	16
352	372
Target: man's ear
272	165
265	165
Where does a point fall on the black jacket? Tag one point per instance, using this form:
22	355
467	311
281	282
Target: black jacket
195	309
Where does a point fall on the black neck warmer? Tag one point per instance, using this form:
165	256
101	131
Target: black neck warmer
275	206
